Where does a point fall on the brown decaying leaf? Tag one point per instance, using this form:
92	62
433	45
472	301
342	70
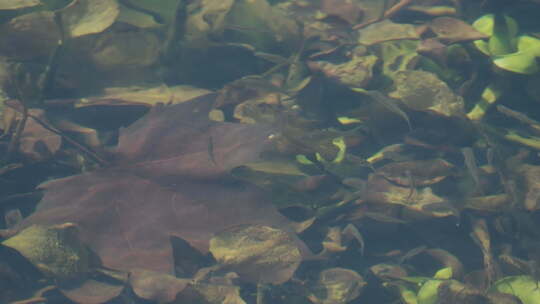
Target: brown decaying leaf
453	291
355	73
416	173
419	203
155	286
133	99
93	292
337	286
254	22
530	177
164	184
373	9
125	50
481	237
83	17
36	142
349	11
213	290
424	91
146	96
16	4
338	240
259	254
30	36
388	271
447	259
451	30
387	31
496	202
433	49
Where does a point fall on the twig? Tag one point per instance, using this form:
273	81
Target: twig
46	84
49	75
396	8
387	14
14	142
49	127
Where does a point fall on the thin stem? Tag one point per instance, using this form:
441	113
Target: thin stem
49	127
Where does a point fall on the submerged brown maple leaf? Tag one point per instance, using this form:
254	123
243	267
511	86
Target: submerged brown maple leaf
170	178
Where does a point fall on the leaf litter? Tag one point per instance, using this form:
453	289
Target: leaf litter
179	208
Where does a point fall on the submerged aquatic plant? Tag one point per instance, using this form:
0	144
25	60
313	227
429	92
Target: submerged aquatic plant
507	48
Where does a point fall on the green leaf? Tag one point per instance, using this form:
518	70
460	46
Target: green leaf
486	25
302	159
342	146
444	274
520	62
526	288
502	29
482	46
529	44
502	40
345	120
408	295
428	293
489	96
